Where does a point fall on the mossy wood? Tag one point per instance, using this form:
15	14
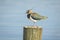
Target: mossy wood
32	33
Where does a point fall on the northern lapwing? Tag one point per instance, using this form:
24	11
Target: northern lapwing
34	16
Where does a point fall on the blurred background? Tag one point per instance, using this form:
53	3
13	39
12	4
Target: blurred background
13	18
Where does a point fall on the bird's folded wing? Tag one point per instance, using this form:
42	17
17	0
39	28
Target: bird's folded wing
36	16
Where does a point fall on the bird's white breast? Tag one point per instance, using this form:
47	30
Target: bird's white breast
32	19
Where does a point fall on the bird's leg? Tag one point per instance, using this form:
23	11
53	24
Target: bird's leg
34	24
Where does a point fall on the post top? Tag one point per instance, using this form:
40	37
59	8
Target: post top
32	27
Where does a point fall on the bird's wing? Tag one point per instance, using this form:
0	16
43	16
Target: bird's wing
36	16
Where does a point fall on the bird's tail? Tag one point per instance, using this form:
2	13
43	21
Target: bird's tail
44	17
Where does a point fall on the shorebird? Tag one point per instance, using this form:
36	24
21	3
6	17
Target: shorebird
33	16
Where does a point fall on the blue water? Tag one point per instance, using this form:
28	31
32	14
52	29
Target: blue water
13	18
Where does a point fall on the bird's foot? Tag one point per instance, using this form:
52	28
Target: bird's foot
35	26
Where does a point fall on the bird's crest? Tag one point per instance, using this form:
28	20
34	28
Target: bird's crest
29	11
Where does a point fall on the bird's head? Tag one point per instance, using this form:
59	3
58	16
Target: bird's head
29	11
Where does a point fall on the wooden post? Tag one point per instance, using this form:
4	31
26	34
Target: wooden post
32	33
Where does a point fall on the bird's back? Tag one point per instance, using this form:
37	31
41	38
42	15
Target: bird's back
35	16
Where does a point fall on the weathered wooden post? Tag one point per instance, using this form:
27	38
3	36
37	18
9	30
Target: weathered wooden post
32	33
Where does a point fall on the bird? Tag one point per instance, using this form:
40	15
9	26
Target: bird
34	17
